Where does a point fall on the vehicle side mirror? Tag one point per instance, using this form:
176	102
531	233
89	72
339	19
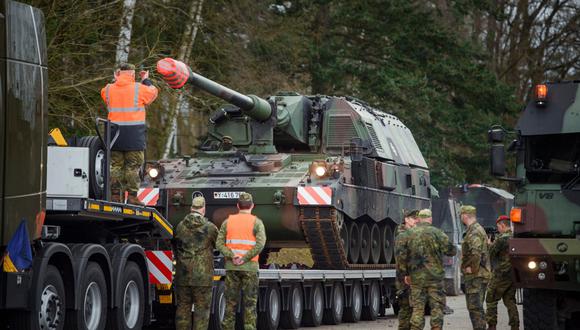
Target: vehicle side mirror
497	160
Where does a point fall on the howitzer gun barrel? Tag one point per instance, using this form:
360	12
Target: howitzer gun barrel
177	73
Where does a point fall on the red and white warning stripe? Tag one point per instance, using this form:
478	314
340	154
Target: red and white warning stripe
160	265
314	195
148	196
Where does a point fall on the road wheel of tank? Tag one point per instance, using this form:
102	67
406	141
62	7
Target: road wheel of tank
333	314
387	243
218	306
92	294
344	237
354	242
453	285
96	165
313	316
541	310
270	318
365	244
370	311
353	312
49	310
375	244
292	318
129	315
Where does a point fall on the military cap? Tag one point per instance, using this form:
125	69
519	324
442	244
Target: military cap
227	138
410	213
425	213
198	202
245	197
502	218
468	209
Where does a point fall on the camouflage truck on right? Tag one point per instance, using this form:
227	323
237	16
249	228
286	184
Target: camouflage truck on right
545	249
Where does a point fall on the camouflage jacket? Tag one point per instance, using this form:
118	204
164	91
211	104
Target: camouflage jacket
401	236
499	256
249	265
422	254
475	252
194	242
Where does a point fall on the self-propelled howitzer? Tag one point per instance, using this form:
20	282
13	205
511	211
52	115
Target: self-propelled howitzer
326	172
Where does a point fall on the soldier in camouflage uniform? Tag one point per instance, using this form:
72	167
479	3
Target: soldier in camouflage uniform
241	239
422	266
402	288
194	242
475	266
501	285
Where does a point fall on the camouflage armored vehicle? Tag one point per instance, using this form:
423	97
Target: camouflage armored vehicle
329	173
545	250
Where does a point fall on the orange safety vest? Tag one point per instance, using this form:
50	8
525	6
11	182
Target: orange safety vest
126	100
240	236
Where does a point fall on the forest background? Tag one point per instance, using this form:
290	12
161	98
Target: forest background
449	69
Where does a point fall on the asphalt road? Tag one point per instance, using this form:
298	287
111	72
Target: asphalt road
459	320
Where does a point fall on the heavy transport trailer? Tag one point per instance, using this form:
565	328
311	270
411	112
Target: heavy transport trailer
545	248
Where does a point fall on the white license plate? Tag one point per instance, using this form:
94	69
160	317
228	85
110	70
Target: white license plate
226	194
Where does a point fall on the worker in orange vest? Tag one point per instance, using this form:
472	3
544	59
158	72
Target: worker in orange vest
241	239
126	100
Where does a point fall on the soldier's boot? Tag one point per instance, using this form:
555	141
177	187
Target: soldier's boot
491	327
116	195
132	199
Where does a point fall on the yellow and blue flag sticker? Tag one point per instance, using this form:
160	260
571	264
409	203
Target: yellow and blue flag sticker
18	255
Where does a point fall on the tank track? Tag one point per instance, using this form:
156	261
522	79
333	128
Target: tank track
321	230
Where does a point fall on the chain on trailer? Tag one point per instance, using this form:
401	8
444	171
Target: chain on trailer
321	230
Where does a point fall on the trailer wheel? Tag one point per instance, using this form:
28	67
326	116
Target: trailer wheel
375	244
49	310
354	242
370	312
92	314
333	315
270	318
97	165
292	318
129	315
313	316
387	243
218	307
353	312
453	285
365	243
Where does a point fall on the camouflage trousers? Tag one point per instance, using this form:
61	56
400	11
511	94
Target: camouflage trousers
200	297
502	289
247	283
420	295
474	297
404	311
125	166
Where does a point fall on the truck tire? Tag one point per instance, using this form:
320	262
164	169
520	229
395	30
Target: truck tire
292	318
333	314
93	298
218	307
453	285
269	319
129	315
96	165
370	311
49	308
353	312
313	316
541	310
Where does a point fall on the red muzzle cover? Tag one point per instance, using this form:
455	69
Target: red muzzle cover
174	72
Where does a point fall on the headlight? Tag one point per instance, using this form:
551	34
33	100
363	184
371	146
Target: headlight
153	173
543	265
532	265
541	276
320	171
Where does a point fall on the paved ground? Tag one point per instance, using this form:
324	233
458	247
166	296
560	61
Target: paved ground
459	320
